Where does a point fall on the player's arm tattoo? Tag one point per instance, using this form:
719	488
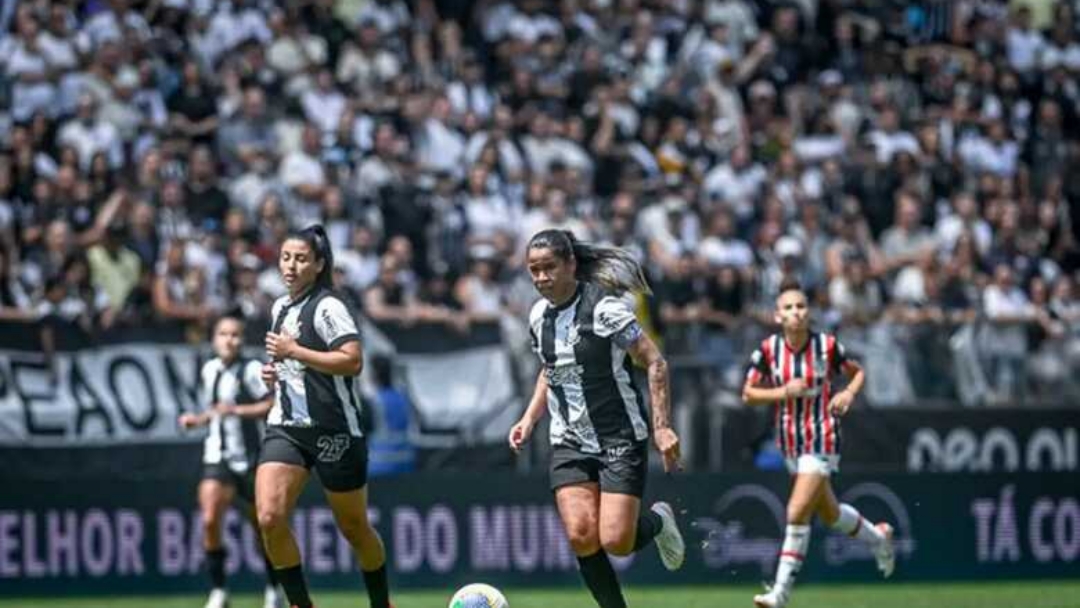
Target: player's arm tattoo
645	352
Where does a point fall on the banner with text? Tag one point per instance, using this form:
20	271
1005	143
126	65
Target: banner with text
964	440
445	530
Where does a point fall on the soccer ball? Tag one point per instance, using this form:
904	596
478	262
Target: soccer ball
478	595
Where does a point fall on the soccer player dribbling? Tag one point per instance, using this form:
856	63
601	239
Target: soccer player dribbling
237	401
315	353
793	371
582	329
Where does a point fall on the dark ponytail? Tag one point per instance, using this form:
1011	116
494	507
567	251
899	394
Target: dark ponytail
610	267
315	237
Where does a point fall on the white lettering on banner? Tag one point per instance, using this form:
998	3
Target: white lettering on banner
62	538
129	527
1053	529
107	394
523	538
170	535
321	531
1063	521
9	545
97	542
408	539
442	537
33	567
997	449
418	538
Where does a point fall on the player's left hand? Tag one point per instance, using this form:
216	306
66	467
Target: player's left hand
667	442
841	403
279	346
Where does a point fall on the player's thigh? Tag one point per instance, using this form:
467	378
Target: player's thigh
805	490
618	519
828	507
215	495
350	509
277	488
579	508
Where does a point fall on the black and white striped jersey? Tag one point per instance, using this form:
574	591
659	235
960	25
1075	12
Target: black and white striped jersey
582	344
306	398
233	441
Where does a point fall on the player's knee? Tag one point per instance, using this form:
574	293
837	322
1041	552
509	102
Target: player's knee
271	519
211	520
355	530
583	539
617	542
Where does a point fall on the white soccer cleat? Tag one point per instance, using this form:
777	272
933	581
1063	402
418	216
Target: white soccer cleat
272	598
669	541
885	553
219	598
774	598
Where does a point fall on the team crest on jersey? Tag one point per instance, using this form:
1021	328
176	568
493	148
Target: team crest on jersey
328	321
573	335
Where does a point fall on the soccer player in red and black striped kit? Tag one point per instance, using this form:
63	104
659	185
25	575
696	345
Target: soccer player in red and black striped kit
793	370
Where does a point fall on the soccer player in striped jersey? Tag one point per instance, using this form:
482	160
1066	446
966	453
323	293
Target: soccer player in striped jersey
237	402
793	371
583	329
315	353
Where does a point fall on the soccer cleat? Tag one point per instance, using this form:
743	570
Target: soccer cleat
885	553
773	598
219	598
273	598
669	541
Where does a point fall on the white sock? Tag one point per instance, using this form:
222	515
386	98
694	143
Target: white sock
853	524
792	554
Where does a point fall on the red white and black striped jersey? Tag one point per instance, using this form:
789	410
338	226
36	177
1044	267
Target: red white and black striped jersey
804	425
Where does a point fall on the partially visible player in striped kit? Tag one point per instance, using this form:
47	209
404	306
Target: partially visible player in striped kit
237	402
793	370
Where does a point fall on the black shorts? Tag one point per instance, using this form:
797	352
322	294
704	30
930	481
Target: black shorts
619	469
243	482
340	459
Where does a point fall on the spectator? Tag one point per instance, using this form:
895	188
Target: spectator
1009	311
392	452
114	270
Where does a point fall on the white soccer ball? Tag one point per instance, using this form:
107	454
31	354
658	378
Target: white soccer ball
478	595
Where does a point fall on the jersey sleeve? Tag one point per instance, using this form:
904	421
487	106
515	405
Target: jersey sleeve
253	381
611	316
838	356
334	323
758	370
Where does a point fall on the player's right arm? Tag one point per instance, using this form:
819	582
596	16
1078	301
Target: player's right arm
756	390
520	432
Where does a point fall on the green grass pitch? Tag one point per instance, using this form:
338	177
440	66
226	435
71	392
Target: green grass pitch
1049	594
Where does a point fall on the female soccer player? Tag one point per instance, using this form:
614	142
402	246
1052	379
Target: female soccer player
792	369
237	403
314	347
582	329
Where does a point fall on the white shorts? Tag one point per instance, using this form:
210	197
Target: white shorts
814	464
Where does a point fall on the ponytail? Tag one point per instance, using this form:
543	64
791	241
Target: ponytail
610	267
315	237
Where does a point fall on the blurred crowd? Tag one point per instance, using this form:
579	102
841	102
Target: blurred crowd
908	161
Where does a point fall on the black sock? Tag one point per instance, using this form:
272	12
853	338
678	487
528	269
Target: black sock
378	590
601	580
215	565
648	526
271	574
292	580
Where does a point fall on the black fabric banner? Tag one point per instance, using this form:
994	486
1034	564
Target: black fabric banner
991	440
